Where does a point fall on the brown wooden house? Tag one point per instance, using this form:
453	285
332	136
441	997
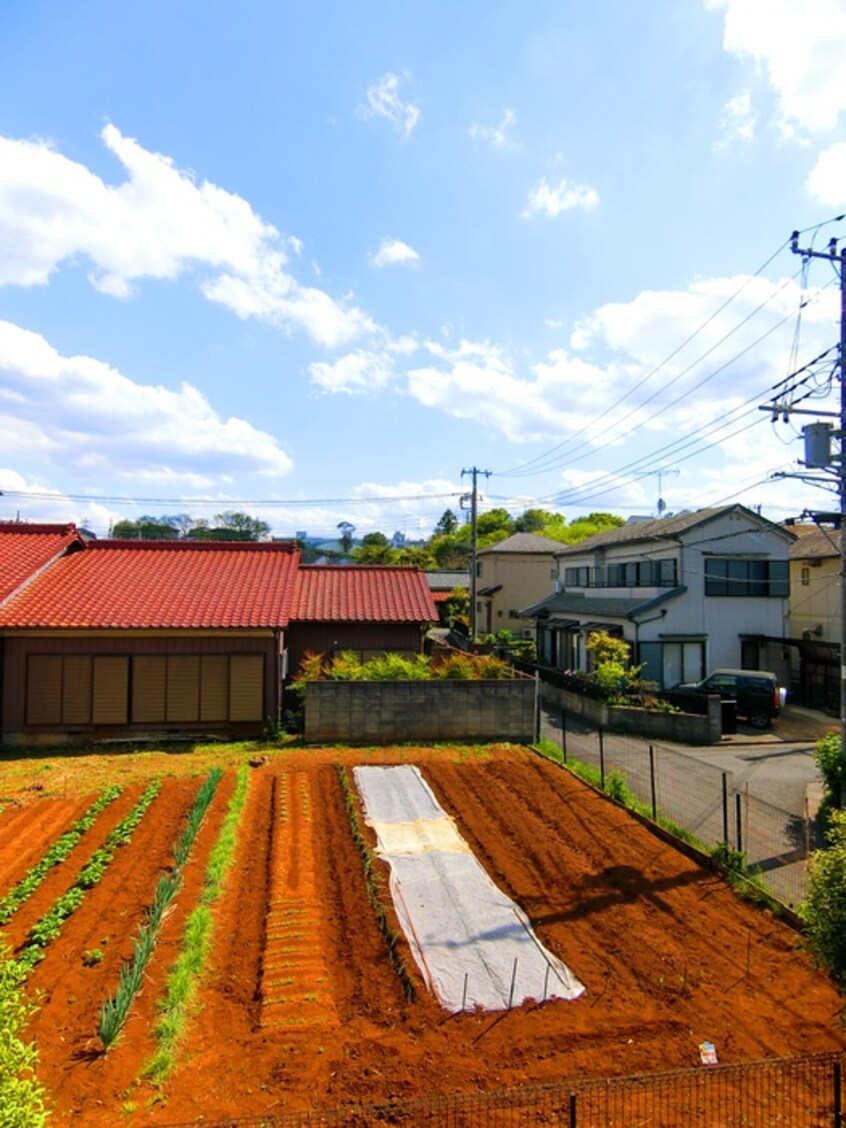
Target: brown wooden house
366	609
131	638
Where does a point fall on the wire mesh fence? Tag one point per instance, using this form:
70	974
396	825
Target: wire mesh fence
702	799
777	844
804	1092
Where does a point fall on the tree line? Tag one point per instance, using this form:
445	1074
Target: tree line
447	548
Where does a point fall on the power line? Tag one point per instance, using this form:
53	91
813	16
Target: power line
524	468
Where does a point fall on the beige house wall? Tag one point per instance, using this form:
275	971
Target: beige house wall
815	598
526	578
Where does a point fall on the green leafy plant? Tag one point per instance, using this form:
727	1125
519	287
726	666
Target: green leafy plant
58	853
731	860
612	671
22	1098
115	1009
92	957
832	767
49	926
617	787
374	893
197	938
346	666
824	908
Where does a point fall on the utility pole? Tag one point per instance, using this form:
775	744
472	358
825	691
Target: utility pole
474	473
838	262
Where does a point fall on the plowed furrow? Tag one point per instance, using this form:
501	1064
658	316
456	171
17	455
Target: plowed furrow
295	984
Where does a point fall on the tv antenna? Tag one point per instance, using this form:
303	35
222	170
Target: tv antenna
664	472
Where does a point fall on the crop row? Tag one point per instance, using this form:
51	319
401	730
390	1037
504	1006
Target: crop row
49	926
197	937
374	891
57	853
115	1009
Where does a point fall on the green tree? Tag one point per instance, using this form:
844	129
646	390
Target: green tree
145	528
494	525
534	520
611	656
414	556
450	553
375	548
346	529
457	607
447	524
242	526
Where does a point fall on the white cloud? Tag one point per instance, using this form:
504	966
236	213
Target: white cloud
81	414
552	199
383	101
624	372
497	135
739	120
360	371
801	46
393	252
479	381
159	223
827	180
29	499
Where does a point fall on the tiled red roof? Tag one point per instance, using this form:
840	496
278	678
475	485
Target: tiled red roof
359	594
164	584
26	549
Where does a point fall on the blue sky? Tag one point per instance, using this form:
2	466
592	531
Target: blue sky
313	259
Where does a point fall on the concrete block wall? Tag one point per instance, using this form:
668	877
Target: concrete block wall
389	712
684	727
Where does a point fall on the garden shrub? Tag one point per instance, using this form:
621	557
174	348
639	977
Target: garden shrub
346	666
829	760
824	907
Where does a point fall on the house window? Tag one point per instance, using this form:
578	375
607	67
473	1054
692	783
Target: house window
806	577
577	577
735	576
76	689
671	662
643	573
144	689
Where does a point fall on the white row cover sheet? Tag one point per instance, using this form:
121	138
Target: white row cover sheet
473	945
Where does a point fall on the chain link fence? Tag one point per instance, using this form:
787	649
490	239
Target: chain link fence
703	800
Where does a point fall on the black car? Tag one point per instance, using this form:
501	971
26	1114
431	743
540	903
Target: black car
757	693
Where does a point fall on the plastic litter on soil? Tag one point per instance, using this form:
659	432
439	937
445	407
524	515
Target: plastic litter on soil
473	945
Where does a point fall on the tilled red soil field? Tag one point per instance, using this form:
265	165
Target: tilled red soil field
300	1007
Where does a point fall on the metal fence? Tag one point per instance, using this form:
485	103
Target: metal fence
702	799
804	1092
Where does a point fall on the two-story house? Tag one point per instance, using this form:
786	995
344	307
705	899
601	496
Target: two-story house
510	575
690	593
815	615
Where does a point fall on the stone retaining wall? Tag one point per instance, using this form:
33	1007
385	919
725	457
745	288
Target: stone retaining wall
440	710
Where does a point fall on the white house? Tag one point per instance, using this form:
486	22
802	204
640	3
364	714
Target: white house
690	593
